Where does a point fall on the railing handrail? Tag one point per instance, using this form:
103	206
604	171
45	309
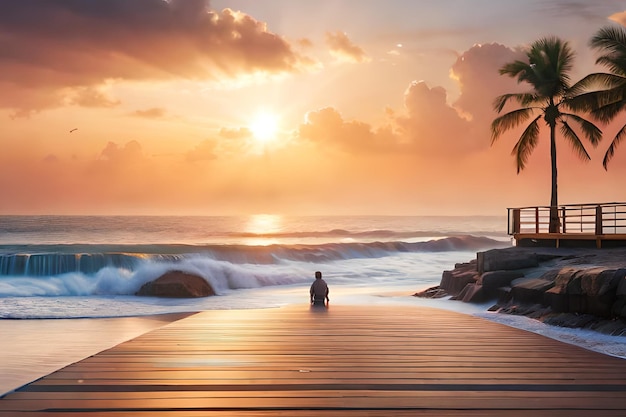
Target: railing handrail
616	204
608	218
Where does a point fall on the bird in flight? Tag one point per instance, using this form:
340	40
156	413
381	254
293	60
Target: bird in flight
73	129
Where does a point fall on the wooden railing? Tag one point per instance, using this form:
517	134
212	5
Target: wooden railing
596	218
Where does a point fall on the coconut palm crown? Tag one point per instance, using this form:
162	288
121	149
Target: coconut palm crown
550	61
605	105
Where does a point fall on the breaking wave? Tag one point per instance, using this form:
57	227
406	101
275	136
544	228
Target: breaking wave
79	270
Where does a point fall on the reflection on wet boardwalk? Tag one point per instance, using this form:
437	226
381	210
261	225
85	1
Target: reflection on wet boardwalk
344	361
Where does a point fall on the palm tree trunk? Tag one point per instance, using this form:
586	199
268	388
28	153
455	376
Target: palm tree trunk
554	226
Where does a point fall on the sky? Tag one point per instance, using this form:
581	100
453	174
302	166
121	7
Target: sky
193	107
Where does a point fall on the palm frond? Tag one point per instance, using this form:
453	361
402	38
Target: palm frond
591	131
615	64
607	112
514	69
596	81
584	103
526	144
610	38
611	149
611	41
524	99
508	121
571	136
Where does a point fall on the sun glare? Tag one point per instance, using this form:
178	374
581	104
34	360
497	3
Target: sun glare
264	127
262	225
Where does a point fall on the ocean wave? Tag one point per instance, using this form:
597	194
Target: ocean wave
50	260
113	270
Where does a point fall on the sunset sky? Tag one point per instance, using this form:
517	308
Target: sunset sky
281	106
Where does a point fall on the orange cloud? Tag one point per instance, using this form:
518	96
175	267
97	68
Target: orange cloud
432	126
619	18
153	113
476	71
327	128
205	151
91	97
344	49
51	45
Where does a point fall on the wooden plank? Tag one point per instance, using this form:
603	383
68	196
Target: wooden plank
341	361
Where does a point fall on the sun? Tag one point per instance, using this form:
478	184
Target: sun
264	126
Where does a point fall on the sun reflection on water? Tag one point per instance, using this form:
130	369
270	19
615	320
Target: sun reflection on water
262	225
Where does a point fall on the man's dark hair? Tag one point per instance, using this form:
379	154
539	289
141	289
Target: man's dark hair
318	274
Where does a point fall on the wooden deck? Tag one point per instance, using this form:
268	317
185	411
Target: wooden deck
573	240
596	225
344	361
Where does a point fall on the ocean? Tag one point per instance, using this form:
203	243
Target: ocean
67	283
85	266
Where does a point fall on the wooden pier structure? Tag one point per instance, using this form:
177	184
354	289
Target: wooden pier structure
342	361
580	225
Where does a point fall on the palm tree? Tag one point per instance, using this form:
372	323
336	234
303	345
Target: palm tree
605	105
547	72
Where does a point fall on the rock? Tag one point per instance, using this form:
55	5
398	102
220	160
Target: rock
472	293
583	288
493	280
599	281
177	284
433	292
454	281
505	259
530	290
621	279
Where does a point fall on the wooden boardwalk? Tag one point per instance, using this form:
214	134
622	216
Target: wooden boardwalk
344	361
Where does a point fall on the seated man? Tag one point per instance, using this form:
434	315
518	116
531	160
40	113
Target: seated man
319	290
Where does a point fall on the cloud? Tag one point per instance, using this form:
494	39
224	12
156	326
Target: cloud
428	125
327	128
344	49
595	11
114	155
48	45
476	71
152	113
91	97
237	133
619	18
431	125
205	151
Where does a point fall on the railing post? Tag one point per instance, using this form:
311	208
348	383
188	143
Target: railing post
563	221
536	219
516	221
599	220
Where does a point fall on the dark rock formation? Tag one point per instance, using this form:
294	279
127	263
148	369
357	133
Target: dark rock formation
454	281
497	259
585	288
177	284
492	281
